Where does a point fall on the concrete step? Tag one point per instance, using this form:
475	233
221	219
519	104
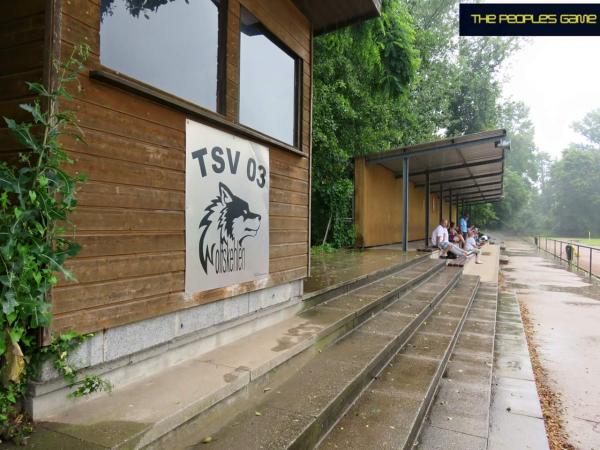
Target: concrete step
340	281
390	411
459	416
142	413
300	411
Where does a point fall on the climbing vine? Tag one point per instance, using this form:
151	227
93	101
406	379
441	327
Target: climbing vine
37	196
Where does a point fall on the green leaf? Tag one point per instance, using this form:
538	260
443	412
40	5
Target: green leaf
35	111
10	123
36	197
38	88
9	303
37	277
15	334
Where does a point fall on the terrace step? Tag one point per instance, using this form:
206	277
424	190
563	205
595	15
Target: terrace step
318	289
390	411
459	416
143	413
300	411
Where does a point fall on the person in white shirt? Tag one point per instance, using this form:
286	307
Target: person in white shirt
439	239
471	246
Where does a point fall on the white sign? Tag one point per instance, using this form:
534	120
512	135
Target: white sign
226	209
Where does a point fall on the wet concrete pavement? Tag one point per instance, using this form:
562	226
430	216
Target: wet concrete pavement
564	308
516	420
340	266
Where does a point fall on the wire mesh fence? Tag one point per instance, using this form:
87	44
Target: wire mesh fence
581	257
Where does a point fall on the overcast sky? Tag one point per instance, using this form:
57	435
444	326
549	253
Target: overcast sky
559	79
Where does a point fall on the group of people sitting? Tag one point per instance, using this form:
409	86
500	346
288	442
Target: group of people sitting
460	242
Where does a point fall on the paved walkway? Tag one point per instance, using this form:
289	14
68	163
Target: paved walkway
488	271
565	310
516	420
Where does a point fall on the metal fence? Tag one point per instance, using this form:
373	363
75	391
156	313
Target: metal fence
582	257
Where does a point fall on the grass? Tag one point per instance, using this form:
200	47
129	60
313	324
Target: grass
582	241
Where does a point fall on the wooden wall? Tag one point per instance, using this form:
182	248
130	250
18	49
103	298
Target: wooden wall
22	35
130	218
378	206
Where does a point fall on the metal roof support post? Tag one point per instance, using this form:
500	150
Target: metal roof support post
450	206
441	201
427	205
405	204
457	210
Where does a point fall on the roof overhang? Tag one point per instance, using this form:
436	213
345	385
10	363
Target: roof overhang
329	15
467	168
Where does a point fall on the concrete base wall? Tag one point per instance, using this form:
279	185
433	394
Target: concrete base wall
131	352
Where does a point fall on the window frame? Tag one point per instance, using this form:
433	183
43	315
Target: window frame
298	84
221	91
223	118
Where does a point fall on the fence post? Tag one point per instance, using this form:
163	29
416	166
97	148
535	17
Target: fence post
591	261
560	257
578	257
554	254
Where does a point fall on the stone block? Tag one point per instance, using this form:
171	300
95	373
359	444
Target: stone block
128	339
89	353
274	295
235	307
198	318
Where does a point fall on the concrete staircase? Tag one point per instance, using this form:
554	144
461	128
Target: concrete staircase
371	388
391	411
459	417
346	335
358	368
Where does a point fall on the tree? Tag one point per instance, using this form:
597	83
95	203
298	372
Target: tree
361	76
523	156
570	196
135	7
589	127
474	106
401	79
432	88
524	171
575	191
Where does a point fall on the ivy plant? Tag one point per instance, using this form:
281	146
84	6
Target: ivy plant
37	195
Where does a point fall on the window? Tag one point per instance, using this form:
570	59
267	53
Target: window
172	45
268	82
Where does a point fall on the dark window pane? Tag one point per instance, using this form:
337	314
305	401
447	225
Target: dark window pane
169	44
267	82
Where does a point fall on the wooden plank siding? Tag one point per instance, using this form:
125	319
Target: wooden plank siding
378	207
22	36
131	214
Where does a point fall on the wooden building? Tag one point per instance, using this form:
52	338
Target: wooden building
239	70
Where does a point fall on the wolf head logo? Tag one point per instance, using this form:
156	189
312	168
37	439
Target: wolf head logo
228	221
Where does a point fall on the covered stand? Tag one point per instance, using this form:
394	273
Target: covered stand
465	170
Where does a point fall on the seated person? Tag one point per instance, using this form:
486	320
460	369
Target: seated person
439	239
475	231
454	235
472	247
